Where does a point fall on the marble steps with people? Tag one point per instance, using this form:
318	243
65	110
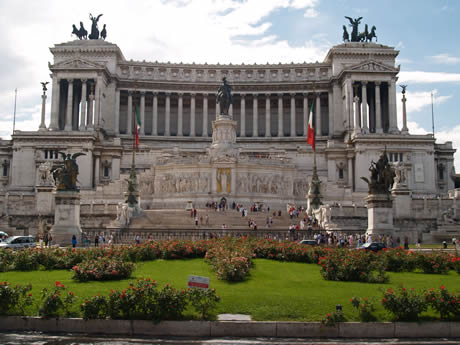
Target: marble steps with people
169	219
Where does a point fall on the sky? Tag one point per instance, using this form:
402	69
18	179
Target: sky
239	31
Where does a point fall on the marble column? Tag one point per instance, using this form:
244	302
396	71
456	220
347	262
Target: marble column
350	172
255	117
365	127
280	115
68	115
155	114
89	123
330	100
97	171
142	113
404	129
192	115
116	125
318	124
129	118
180	114
293	134
55	95
83	105
42	126
393	119
97	100
205	115
357	127
305	113
168	114
243	116
267	115
378	109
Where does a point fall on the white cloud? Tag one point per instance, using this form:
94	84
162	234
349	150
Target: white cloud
452	135
416	101
445	59
420	77
310	13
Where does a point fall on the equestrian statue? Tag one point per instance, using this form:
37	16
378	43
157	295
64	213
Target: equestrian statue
82	34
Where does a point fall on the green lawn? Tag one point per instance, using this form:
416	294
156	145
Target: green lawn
274	291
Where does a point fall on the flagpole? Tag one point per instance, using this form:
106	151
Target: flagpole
14	113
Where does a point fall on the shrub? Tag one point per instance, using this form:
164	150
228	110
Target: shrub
203	301
25	260
57	302
171	303
102	269
14	299
230	258
331	319
352	265
455	263
95	308
447	304
404	304
364	307
398	259
435	262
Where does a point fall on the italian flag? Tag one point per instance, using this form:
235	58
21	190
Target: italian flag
310	130
137	126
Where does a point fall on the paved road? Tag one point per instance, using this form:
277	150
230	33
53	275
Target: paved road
34	338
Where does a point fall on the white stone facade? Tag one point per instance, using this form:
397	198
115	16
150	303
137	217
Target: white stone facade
95	93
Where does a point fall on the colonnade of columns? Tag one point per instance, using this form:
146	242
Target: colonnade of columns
373	107
75	104
260	119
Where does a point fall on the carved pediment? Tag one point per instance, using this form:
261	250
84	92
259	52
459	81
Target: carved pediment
77	63
372	66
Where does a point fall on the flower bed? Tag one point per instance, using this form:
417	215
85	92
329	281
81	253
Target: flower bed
354	265
103	269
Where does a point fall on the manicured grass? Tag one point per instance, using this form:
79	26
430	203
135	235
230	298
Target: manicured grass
274	291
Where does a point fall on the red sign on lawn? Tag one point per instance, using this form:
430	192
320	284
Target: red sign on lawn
198	282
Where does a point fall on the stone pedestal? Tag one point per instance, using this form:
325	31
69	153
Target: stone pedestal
402	201
66	217
223	139
44	200
379	214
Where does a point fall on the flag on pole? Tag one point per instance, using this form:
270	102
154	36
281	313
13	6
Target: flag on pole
310	130
137	126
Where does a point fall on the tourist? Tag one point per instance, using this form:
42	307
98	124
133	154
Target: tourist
50	238
419	241
96	240
74	241
138	239
207	219
406	242
46	239
87	241
40	240
444	244
196	221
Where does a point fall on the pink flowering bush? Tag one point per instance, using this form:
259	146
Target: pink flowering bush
102	269
57	302
14	299
404	304
230	259
447	304
435	262
352	265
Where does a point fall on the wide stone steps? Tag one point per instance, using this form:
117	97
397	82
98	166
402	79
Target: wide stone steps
181	219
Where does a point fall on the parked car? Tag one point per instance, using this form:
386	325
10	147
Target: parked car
18	242
374	246
309	242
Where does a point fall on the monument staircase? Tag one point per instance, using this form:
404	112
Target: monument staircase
174	219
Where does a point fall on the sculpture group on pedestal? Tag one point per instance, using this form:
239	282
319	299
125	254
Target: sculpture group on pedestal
382	176
82	33
356	36
66	175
